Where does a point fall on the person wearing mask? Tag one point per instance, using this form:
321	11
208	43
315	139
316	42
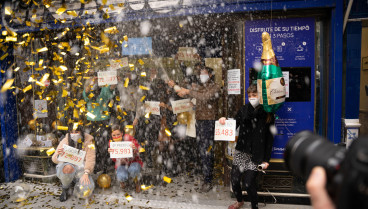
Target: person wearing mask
253	147
206	95
67	172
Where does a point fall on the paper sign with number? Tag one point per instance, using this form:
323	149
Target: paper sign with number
180	106
72	155
152	107
121	150
107	77
225	132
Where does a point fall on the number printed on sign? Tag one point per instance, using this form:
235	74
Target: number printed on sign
121	150
72	155
225	132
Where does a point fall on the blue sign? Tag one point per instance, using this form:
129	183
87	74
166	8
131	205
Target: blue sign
137	46
293	43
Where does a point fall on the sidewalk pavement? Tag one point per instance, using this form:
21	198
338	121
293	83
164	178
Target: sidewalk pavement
181	193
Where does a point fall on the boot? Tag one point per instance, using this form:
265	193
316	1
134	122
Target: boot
64	195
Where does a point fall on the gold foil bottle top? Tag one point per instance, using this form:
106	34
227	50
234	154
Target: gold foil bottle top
268	52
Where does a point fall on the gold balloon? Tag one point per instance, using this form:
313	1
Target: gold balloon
32	124
182	118
104	181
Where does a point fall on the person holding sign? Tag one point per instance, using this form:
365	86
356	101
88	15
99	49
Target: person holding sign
126	167
253	147
75	158
206	95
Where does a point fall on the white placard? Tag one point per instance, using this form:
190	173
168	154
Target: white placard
285	74
71	155
41	105
107	77
47	143
225	132
152	107
233	81
116	64
180	106
121	150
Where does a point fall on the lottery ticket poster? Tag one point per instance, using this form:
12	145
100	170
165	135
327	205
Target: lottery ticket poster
72	155
121	150
152	107
107	78
225	132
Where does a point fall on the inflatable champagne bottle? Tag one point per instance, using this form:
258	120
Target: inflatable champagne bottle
270	83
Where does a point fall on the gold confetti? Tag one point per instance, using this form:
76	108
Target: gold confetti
126	82
91	146
117	98
50	151
91	115
44	49
65	93
143	88
141	61
8	11
111	30
7	85
104	2
63	67
167	179
29	87
167	131
10	39
12	33
40	62
144	187
111	103
129	126
4	33
143	74
15	146
61	10
64	128
142	98
147	115
72	13
142	149
44	78
175	123
4	56
129	198
28	23
125	38
125	113
209	148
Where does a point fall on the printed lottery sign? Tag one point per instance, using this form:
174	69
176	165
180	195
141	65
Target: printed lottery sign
152	107
107	77
121	150
225	132
72	155
180	106
116	64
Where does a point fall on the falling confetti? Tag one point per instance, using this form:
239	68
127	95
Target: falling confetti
167	179
63	128
50	151
7	85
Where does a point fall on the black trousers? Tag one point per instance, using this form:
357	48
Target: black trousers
250	184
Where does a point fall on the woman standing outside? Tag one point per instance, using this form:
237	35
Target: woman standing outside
253	147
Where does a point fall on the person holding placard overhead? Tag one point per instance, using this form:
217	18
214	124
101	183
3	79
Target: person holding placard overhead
253	148
207	95
126	168
79	170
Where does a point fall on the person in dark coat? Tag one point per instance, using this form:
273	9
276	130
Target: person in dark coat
253	147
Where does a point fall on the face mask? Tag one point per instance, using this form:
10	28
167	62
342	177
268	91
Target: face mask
117	139
75	137
204	78
254	102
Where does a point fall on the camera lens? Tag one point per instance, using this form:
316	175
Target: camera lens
306	150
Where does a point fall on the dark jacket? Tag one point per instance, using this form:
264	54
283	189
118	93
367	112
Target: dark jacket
207	97
255	137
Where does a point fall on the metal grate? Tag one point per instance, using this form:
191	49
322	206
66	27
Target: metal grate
277	182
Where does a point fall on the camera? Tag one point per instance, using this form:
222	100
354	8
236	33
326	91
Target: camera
346	169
